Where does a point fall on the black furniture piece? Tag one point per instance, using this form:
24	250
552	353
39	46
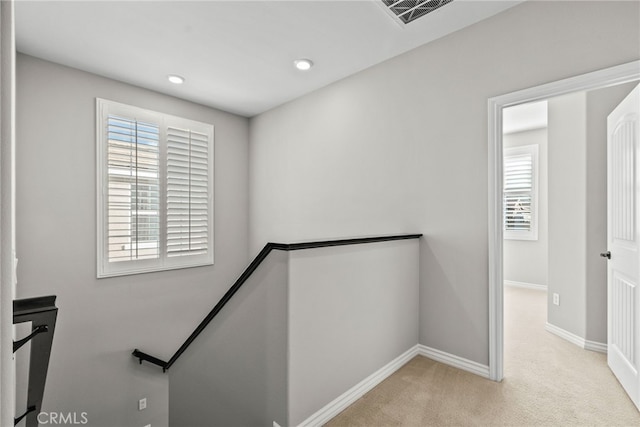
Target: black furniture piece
42	313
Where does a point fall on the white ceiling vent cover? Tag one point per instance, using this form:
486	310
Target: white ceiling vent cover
410	10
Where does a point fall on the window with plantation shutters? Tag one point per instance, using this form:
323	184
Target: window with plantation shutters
155	183
520	192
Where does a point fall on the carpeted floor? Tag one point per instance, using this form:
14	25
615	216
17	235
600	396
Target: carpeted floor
548	382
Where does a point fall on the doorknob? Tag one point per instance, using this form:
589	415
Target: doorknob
606	255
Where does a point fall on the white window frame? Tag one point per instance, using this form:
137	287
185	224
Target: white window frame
104	108
532	233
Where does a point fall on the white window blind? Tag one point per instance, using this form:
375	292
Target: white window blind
187	192
520	193
155	184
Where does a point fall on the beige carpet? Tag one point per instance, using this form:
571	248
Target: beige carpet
548	382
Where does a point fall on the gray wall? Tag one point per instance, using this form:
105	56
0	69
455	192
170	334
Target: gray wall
567	130
101	321
352	310
235	373
305	328
402	147
526	261
578	184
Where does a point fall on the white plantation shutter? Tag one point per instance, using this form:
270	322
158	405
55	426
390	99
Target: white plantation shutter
155	183
187	192
518	178
520	192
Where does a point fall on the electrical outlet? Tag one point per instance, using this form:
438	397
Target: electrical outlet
142	404
556	299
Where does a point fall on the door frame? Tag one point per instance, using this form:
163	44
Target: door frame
607	77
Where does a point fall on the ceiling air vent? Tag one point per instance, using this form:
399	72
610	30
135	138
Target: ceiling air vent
410	10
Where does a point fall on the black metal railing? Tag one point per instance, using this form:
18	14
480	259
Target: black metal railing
247	273
42	313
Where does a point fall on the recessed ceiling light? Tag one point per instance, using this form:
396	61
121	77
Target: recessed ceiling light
175	79
303	64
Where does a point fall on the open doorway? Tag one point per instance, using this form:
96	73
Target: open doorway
525	195
555	217
525	233
600	79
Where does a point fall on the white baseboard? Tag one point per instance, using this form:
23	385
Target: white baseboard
455	361
595	346
574	339
566	335
525	285
339	404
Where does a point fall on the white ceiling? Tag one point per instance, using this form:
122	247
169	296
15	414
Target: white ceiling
524	117
235	55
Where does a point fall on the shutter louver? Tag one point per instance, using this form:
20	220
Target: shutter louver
187	192
518	189
133	193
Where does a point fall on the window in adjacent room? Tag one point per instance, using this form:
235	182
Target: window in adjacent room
520	198
155	191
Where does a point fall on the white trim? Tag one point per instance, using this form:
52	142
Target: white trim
575	339
453	360
339	404
599	347
525	285
565	335
495	241
356	392
598	79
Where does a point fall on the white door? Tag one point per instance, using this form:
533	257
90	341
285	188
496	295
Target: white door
623	235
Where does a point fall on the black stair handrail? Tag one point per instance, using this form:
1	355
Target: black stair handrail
42	313
248	272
